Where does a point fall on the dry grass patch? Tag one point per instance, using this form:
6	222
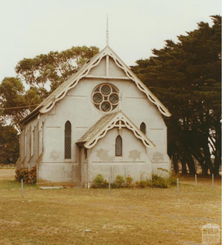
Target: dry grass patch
127	216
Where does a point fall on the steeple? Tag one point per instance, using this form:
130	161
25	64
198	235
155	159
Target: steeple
107	32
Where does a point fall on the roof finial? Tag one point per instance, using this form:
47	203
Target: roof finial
107	32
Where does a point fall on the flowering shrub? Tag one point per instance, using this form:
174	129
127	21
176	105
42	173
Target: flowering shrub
32	176
29	177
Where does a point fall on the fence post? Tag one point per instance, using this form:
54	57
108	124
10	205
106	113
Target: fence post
177	185
212	181
22	186
109	185
196	180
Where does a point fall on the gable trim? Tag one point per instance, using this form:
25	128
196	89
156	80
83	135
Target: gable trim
74	80
119	121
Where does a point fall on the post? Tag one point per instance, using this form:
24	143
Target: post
109	185
212	181
22	186
196	180
177	185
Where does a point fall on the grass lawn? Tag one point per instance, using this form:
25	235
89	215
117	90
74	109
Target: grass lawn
126	216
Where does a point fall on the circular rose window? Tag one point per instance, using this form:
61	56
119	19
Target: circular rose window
105	97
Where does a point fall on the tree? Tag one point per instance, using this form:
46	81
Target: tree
186	77
9	144
15	102
53	68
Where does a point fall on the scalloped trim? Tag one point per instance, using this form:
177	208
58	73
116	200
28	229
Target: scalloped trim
163	110
120	121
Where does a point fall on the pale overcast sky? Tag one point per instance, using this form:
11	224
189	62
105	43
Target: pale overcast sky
32	27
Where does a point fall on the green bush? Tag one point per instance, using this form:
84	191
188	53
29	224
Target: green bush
113	185
119	181
158	181
143	183
100	182
172	181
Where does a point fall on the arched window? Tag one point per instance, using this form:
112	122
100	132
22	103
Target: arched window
143	127
119	146
68	140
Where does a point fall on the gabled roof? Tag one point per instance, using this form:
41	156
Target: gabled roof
108	122
74	79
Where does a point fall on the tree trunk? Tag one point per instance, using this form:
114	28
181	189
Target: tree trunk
175	163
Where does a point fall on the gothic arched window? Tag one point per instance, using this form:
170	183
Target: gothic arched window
68	140
119	146
143	127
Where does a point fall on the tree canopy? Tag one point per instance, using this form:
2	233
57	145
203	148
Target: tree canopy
53	68
185	76
16	102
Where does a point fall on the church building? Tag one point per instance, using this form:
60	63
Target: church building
102	120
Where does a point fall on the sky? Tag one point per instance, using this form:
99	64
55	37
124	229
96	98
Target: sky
32	27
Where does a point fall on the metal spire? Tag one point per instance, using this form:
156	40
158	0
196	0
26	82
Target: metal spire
107	32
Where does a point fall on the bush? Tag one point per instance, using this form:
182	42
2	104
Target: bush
172	181
99	182
29	177
22	173
143	183
158	181
113	185
119	181
129	181
32	176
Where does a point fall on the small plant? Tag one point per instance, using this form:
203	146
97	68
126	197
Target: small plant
105	184
172	181
129	181
158	181
100	182
119	181
113	185
143	183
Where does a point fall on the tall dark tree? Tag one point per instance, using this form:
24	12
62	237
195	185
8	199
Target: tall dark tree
186	77
9	144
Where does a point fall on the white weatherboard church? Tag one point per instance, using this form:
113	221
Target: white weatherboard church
102	120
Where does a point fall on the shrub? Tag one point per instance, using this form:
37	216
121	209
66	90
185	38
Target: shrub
129	181
119	181
32	176
172	180
113	185
143	183
22	173
158	181
99	182
29	177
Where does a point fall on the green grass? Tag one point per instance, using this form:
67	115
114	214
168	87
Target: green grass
127	216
